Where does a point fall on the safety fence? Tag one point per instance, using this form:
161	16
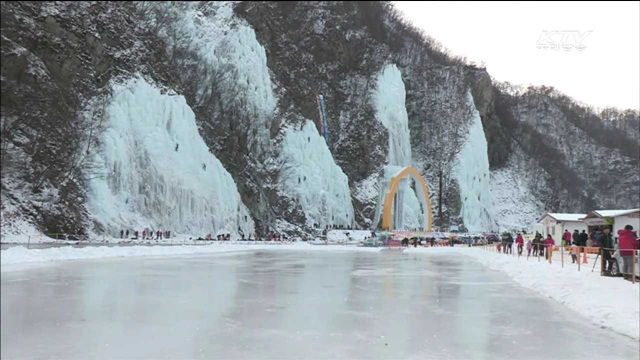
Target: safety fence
608	260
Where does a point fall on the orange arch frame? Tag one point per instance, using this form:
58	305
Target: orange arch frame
393	188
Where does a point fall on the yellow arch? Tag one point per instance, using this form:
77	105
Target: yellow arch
393	188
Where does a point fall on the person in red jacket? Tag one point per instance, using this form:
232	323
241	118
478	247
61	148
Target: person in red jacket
520	242
627	241
566	237
548	243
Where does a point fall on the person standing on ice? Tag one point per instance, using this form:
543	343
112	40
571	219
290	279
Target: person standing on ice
583	238
576	245
548	243
628	242
127	234
121	234
509	244
606	243
520	242
566	238
590	239
536	244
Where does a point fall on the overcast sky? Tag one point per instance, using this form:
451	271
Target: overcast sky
508	38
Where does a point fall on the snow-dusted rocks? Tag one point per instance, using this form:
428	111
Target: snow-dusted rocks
156	171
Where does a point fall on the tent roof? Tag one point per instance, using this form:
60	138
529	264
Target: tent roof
613	213
565	217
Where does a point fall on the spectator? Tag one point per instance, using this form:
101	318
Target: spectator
520	242
509	244
583	238
576	237
529	246
566	238
590	239
121	234
576	244
606	243
127	236
628	244
548	243
536	244
596	238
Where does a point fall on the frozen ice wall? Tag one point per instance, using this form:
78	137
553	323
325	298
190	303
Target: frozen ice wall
471	171
310	175
157	171
224	41
389	104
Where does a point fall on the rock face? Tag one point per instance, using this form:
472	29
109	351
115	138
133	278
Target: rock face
250	73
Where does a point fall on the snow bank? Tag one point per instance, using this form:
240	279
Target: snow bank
20	255
389	104
310	175
471	171
609	302
156	170
347	235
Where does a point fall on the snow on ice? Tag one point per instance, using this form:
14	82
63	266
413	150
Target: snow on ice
471	170
311	175
157	172
12	258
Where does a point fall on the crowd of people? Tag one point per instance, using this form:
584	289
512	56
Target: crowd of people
147	234
627	242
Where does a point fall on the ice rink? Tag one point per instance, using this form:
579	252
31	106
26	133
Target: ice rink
290	305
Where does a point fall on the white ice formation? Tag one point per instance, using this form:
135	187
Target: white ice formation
157	172
228	44
310	175
389	103
471	171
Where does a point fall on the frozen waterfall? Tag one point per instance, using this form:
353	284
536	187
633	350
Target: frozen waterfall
310	175
471	171
389	103
157	171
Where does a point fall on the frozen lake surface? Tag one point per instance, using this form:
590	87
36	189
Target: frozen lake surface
290	305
